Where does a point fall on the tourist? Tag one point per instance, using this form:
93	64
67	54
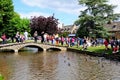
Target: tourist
57	40
62	40
3	37
112	42
85	45
17	36
115	49
45	37
26	35
42	36
72	41
35	36
22	38
106	43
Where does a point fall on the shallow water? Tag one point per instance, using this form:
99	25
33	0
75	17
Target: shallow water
53	65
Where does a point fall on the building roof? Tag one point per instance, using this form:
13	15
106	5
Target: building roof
114	26
69	28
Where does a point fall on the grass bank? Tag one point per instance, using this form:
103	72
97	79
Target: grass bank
95	49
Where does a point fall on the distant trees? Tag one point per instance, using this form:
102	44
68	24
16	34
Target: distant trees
10	21
18	24
6	14
91	21
48	25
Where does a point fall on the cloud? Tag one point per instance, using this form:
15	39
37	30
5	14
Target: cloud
116	3
68	6
32	14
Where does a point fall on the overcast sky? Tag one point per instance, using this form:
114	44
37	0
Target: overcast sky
67	11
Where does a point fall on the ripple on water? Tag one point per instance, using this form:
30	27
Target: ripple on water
57	66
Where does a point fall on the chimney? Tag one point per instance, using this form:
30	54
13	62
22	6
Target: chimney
62	25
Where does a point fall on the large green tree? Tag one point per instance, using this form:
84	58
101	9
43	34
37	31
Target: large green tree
6	14
97	13
10	21
17	24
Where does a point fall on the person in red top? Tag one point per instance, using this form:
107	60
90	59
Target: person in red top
106	43
3	37
115	49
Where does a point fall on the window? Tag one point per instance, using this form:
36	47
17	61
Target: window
114	26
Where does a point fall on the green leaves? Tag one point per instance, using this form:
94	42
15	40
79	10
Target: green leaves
6	14
93	18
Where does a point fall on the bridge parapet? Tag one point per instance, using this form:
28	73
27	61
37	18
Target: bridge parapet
17	47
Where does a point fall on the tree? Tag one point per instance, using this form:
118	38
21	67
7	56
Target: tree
64	34
92	19
6	14
18	24
40	24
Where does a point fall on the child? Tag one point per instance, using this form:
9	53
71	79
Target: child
115	49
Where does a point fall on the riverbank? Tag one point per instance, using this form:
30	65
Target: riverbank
115	57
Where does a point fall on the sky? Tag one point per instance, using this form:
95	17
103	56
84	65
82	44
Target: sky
66	11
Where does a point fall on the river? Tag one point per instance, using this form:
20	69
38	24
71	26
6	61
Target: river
56	65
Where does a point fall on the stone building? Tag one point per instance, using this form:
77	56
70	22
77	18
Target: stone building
69	28
114	29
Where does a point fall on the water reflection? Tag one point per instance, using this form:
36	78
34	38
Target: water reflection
31	65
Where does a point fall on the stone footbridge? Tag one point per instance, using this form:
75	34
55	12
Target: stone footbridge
41	47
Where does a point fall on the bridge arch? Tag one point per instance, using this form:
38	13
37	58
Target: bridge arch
53	49
41	47
33	46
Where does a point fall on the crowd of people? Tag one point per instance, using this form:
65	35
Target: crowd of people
68	41
112	43
18	37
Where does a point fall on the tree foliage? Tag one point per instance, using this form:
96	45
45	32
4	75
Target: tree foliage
93	18
64	34
18	24
6	14
48	25
10	21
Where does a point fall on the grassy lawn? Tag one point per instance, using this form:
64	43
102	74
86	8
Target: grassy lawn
97	49
1	77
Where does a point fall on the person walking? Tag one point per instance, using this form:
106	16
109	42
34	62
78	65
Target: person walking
42	36
106	43
17	36
26	35
3	37
35	36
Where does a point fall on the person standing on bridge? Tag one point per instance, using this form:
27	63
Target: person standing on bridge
42	36
3	37
26	35
35	36
17	36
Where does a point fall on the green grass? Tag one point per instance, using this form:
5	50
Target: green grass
1	77
97	49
